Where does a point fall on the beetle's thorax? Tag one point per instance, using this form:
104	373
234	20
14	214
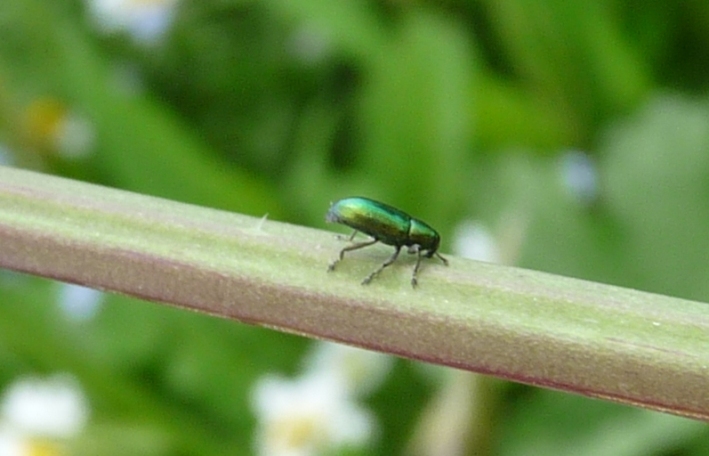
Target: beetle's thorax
423	235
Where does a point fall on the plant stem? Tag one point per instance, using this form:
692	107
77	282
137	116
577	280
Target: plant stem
587	338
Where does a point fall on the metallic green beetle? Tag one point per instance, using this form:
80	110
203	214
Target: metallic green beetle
385	224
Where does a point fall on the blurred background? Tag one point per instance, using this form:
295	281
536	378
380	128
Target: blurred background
563	136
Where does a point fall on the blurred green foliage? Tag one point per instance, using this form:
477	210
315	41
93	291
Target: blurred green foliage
450	110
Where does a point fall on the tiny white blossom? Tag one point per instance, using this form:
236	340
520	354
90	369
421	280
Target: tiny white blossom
145	20
54	407
58	127
76	136
473	240
13	443
361	370
79	303
5	158
580	176
307	416
309	45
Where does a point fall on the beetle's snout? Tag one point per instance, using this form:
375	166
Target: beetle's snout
331	217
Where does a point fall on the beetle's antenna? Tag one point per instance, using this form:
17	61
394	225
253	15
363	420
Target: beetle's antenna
441	257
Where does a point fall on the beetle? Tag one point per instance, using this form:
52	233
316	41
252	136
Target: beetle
388	225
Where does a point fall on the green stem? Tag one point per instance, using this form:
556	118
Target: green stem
551	331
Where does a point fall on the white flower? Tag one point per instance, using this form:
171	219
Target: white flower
13	444
5	160
79	303
146	20
54	408
309	45
473	240
307	416
76	136
361	370
54	125
580	176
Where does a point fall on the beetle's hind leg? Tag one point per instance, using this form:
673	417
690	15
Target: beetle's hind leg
386	263
349	248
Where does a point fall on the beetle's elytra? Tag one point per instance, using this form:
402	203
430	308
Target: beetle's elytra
388	225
